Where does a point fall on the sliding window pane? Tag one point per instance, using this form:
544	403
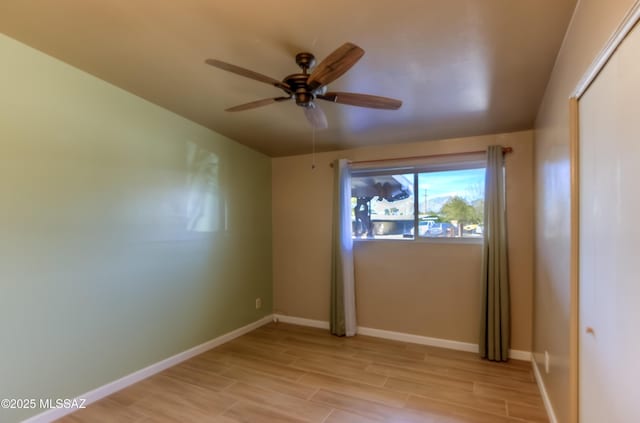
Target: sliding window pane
451	204
382	206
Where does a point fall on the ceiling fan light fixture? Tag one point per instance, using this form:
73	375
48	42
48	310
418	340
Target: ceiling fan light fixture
315	116
304	99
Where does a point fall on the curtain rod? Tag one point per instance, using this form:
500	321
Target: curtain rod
505	150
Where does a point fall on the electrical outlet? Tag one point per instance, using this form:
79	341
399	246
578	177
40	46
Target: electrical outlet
258	303
546	362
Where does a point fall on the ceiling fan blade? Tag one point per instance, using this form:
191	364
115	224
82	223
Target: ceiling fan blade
335	65
316	116
257	103
362	100
247	73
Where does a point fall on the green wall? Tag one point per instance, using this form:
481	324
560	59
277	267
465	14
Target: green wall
127	233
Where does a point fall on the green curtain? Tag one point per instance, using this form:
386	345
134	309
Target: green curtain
343	304
495	319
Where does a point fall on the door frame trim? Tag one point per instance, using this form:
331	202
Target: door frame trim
574	273
626	26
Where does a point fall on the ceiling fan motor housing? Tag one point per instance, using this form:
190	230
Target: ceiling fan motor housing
298	81
299	88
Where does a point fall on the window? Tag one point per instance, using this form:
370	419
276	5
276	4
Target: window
441	201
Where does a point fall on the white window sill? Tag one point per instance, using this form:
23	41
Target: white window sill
472	241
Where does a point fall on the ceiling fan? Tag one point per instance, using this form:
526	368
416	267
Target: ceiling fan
306	87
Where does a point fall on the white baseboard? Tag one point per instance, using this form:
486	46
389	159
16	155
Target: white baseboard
403	337
112	387
521	355
301	321
418	339
543	393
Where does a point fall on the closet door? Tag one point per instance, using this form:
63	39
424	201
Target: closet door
609	284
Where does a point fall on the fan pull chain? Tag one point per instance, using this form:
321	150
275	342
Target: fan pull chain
313	148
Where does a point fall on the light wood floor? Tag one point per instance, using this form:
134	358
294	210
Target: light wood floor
286	373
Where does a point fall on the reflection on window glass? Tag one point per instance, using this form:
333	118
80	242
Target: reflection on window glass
450	204
383	206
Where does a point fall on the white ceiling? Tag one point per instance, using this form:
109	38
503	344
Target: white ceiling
461	67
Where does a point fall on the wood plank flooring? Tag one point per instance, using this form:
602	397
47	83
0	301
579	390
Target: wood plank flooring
285	373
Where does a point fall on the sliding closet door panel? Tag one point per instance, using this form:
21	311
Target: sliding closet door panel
610	241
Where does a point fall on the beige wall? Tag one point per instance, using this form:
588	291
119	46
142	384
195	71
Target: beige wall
127	233
593	23
424	288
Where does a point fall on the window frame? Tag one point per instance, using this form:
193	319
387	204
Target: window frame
473	161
